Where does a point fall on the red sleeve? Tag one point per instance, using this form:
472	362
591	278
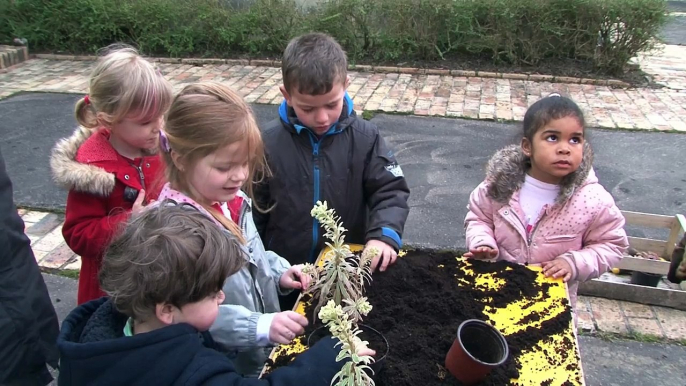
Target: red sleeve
87	226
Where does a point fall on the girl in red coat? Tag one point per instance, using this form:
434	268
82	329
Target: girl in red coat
109	164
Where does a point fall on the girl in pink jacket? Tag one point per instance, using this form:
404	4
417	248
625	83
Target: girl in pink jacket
541	202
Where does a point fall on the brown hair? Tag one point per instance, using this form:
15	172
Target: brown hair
167	254
313	63
203	118
123	83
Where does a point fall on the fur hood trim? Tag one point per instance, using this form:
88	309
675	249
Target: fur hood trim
507	168
71	174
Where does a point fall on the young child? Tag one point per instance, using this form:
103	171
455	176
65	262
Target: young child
212	147
319	149
541	202
164	274
109	163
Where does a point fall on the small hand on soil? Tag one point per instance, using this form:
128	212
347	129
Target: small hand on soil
285	326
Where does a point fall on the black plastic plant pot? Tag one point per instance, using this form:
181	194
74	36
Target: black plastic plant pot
477	349
645	279
379	358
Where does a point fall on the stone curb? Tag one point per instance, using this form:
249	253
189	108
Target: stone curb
12	55
379	69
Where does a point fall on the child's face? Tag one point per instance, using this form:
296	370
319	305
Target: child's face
139	134
556	150
219	176
200	314
318	112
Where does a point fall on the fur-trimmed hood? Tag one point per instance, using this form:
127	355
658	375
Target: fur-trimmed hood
86	162
507	168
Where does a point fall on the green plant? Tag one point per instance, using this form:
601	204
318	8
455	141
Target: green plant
340	278
354	372
604	33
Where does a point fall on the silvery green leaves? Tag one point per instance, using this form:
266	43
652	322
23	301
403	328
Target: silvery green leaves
353	372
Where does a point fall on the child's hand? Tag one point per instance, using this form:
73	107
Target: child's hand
295	278
557	268
365	351
482	253
138	205
285	326
387	254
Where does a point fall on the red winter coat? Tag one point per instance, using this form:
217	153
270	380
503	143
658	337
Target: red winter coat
96	176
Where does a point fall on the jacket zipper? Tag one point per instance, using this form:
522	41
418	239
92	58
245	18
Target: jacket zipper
315	223
530	236
315	142
141	176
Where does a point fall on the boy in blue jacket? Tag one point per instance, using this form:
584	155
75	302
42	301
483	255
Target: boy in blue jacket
319	149
164	275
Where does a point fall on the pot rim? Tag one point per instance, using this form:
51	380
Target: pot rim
497	333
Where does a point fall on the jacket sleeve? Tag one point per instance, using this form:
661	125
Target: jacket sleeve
604	244
387	193
236	327
315	367
87	226
28	324
479	227
278	266
262	202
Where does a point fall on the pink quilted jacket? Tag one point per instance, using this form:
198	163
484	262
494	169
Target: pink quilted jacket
584	226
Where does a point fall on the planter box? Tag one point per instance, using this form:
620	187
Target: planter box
552	359
664	248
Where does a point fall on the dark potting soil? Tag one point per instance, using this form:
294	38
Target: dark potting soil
418	306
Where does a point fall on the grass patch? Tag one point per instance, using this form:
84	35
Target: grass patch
632	336
68	273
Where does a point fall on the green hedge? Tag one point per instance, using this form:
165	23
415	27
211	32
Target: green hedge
606	33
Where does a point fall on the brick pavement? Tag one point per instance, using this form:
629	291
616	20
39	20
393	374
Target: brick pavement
437	94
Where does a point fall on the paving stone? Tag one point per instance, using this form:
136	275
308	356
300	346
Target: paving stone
58	257
636	310
50	241
673	322
45	225
645	326
33	217
585	322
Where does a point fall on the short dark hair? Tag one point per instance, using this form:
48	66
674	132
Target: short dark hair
313	63
167	254
547	109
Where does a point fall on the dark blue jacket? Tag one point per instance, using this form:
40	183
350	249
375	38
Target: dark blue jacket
28	323
95	351
350	167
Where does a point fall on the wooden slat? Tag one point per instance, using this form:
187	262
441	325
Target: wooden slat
643	265
681	219
648	245
648	220
634	293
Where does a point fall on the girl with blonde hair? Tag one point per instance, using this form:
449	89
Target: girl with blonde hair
110	163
